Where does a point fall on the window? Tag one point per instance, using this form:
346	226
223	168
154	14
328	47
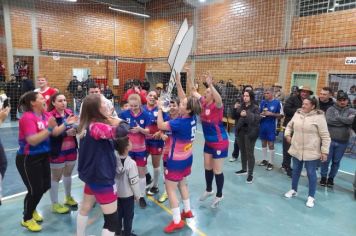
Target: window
305	79
342	81
315	7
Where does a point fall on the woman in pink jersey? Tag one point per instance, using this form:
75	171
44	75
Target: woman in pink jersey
63	154
32	159
180	157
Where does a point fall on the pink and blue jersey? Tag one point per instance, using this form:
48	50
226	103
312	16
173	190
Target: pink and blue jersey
138	140
216	138
31	124
180	157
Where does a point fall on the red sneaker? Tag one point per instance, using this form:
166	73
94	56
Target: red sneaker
185	215
172	227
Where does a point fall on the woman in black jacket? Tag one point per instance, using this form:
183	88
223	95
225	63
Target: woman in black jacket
247	118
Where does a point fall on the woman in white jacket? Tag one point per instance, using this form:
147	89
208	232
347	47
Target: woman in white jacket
309	137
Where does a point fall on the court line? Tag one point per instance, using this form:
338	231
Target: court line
11	149
280	154
166	209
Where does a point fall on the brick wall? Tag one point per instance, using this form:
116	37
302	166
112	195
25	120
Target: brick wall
21	27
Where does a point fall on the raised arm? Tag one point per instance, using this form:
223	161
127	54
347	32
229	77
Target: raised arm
181	93
216	95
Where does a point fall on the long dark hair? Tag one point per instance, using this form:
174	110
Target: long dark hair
252	96
91	112
52	100
25	101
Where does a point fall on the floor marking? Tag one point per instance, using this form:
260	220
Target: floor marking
166	209
280	154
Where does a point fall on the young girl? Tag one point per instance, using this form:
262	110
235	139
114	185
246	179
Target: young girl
180	157
97	164
138	120
63	154
167	138
32	162
127	182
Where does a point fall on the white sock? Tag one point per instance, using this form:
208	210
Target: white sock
53	192
271	156
67	182
264	153
156	172
142	183
106	232
176	215
186	204
81	224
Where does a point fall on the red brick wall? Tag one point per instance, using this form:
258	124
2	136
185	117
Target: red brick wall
21	27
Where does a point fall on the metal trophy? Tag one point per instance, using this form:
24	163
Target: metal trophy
178	55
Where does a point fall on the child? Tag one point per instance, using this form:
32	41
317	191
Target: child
127	181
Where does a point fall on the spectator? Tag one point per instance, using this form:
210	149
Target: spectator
247	128
136	89
44	89
87	83
339	118
17	66
108	93
4	112
73	85
232	94
14	92
352	95
159	89
2	72
146	85
23	71
307	148
278	92
292	104
325	98
27	85
79	95
110	109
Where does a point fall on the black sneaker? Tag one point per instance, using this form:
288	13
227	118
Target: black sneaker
241	172
152	191
142	202
289	172
249	179
323	181
269	166
148	179
263	163
330	182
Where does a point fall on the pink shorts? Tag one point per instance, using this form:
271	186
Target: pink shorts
63	159
139	157
104	194
154	149
176	176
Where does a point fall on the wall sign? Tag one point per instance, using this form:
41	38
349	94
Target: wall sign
350	61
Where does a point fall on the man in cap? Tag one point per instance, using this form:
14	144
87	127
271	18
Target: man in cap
159	88
339	118
292	104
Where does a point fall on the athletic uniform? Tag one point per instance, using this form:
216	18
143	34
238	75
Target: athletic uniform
32	162
63	147
138	151
47	94
268	123
97	162
216	138
180	157
153	146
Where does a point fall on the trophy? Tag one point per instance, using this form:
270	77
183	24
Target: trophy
178	55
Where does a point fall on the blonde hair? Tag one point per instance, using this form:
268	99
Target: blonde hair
135	97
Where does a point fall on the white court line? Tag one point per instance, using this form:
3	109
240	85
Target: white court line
280	154
25	192
11	149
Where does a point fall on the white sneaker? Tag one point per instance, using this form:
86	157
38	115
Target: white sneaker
206	195
304	173
232	159
291	193
216	202
310	202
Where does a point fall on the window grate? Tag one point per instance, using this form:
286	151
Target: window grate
315	7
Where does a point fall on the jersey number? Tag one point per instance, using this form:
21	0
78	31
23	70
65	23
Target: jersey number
194	130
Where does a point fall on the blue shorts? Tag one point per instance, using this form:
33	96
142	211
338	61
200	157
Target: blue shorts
139	157
268	133
217	149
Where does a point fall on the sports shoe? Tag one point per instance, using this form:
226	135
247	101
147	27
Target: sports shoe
249	179
216	202
263	163
152	191
186	215
269	166
330	182
70	201
37	217
60	209
323	181
31	225
241	172
163	197
304	173
148	179
291	193
310	202
205	195
172	227
232	159
142	202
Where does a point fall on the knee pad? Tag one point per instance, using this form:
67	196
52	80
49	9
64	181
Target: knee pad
111	221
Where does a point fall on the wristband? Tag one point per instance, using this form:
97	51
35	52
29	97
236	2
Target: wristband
65	123
50	129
